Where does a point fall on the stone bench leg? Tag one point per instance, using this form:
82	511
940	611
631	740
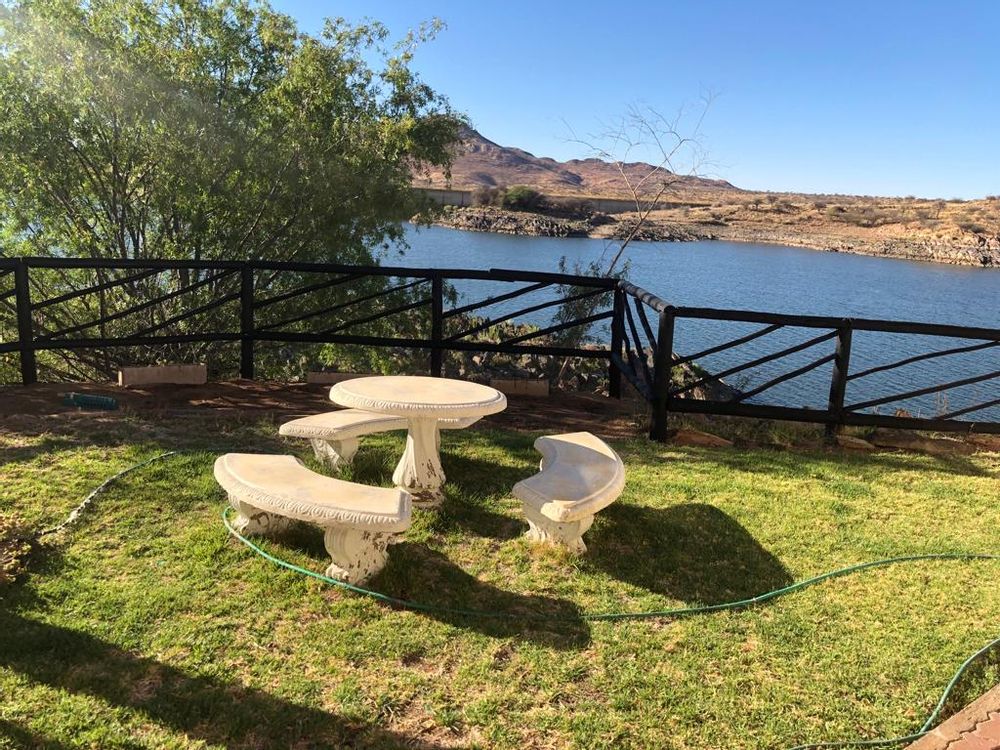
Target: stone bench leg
251	520
419	471
335	453
568	534
357	554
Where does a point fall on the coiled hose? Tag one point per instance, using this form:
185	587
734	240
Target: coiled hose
608	616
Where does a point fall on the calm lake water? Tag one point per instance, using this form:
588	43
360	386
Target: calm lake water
769	278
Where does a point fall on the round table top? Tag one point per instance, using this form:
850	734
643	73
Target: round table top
418	396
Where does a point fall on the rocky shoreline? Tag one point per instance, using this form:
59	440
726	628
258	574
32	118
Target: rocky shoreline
979	251
986	255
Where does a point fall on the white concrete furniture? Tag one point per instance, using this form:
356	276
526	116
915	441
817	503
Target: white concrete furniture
334	435
580	475
358	521
423	402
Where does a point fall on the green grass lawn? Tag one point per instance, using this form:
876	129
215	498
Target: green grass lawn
145	626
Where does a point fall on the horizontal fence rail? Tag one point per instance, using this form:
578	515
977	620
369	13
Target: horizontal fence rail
81	304
296	303
651	363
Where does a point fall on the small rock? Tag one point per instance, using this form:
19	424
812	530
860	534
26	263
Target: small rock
700	439
988	443
853	443
913	442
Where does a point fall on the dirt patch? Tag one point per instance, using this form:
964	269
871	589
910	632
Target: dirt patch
37	409
560	412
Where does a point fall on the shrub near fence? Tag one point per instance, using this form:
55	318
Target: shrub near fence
249	304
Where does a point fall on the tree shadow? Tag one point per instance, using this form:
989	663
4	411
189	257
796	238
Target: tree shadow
29	740
416	573
982	675
204	708
471	477
692	552
475	518
50	443
208	433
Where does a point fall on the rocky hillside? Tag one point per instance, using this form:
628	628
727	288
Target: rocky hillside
954	231
479	162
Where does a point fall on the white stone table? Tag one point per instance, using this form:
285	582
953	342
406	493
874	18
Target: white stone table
422	401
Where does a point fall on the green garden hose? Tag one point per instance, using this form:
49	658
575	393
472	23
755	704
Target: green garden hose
71	518
611	616
677	612
931	720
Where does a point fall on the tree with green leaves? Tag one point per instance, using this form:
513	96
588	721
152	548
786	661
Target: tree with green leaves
204	130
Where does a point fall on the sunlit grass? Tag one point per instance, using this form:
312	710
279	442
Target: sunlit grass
145	626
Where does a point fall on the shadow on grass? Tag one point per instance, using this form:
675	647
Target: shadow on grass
470	485
475	518
29	740
692	552
472	482
374	463
417	573
205	709
981	676
475	476
209	435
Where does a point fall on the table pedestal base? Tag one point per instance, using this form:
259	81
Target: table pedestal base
419	471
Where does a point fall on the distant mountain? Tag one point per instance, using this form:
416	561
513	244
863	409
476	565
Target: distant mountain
479	162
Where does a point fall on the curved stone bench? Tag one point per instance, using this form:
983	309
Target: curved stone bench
580	475
358	521
334	435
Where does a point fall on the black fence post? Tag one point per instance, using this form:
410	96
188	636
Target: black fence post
662	366
617	327
25	332
838	382
246	322
437	324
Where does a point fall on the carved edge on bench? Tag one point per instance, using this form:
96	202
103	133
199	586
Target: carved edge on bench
310	512
356	554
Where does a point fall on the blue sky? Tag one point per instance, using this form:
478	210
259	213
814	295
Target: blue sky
877	97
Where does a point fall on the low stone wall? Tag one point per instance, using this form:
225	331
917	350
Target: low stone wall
163	375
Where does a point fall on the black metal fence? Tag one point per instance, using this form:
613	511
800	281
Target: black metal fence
101	304
250	302
653	375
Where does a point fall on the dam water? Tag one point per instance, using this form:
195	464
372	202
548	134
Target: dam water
765	278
